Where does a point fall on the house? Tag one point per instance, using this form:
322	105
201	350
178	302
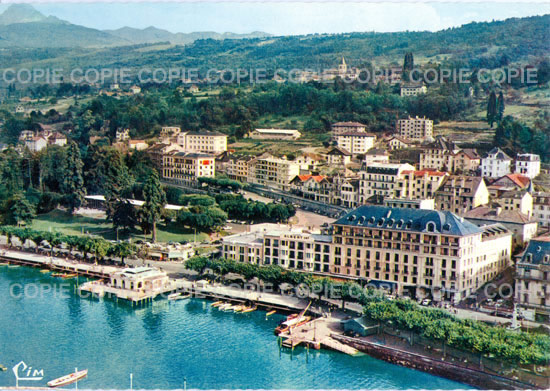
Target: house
465	161
309	161
528	164
508	182
355	142
169	134
19	109
397	142
135	89
122	134
522	226
459	194
238	167
416	129
312	187
346	127
520	200
337	156
345	191
495	164
157	151
57	138
532	280
375	155
37	143
413	89
168	252
275	134
137	145
194	89
26	135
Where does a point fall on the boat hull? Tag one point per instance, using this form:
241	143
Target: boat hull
68	379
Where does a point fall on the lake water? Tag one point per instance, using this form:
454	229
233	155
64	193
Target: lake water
167	342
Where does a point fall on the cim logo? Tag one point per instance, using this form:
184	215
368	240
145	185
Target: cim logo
27	373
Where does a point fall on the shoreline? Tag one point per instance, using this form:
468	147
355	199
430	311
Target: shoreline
290	304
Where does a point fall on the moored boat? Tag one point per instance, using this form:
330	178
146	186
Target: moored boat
3	368
249	309
270	313
239	308
293	320
58	274
216	304
44	271
68	379
223	306
69	275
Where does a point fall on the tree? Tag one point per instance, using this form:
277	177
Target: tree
500	106
492	109
124	215
408	66
155	199
18	210
73	183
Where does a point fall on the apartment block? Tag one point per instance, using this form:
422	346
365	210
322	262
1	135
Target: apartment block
273	172
186	167
420	184
415	129
438	155
205	141
355	142
380	180
345	127
541	208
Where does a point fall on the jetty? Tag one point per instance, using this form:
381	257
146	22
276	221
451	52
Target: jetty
317	334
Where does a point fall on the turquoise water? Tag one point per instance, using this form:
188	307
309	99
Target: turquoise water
167	342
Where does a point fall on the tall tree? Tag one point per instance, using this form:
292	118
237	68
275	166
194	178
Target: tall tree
408	65
155	199
19	210
73	183
500	106
492	109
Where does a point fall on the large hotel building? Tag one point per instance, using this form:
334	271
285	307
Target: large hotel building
414	252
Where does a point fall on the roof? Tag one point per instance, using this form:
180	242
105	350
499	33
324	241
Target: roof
520	180
537	251
283	131
496	214
412	220
357	124
514	194
195	155
399	138
452	182
376	151
424	172
205	133
338	151
441	142
497	153
356	134
471	153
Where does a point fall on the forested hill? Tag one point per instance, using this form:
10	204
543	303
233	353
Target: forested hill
488	44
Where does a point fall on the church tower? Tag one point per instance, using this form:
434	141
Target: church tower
343	68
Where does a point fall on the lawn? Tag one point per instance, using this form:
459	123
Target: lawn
59	221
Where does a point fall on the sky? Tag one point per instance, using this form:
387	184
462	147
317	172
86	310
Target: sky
285	18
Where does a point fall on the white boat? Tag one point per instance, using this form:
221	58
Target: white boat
68	379
178	296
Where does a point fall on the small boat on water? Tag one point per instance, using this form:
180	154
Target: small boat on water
239	308
10	265
58	274
216	304
68	379
44	271
3	368
69	275
270	313
249	309
223	306
178	296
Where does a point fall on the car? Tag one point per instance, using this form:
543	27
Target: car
426	302
228	228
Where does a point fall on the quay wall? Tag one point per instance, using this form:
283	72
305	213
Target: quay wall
451	371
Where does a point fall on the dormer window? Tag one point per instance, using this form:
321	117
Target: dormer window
430	227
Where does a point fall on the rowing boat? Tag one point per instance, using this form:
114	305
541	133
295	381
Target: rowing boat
44	271
69	275
271	313
3	368
216	304
58	274
238	308
68	379
249	309
223	306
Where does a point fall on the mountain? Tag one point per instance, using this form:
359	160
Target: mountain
153	34
21	25
25	13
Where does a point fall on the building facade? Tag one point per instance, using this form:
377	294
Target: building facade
355	142
380	180
528	164
346	127
532	280
186	167
460	194
415	129
205	141
495	164
273	172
